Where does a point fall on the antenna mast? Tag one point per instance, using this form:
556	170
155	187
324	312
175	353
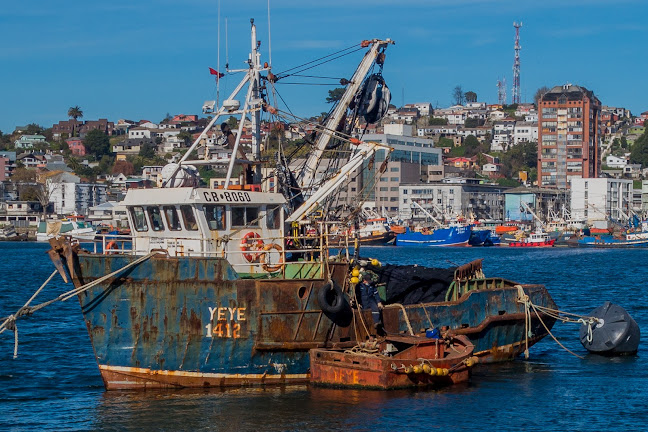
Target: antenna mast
516	66
501	91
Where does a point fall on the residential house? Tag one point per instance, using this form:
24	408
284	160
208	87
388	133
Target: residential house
76	146
424	108
615	161
32	160
26	142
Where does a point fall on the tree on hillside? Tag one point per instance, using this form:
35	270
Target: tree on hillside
97	143
458	95
539	93
147	150
232	122
186	137
335	95
639	152
437	121
74	113
123	167
471	145
474	122
471	96
21	175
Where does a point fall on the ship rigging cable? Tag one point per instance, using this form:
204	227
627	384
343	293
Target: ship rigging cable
9	322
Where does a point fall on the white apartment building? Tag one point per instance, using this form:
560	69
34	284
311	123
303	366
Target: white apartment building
525	132
599	199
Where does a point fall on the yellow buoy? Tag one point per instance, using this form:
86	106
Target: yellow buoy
418	369
354	280
355	272
433	371
426	369
409	369
469	362
445	372
375	262
439	372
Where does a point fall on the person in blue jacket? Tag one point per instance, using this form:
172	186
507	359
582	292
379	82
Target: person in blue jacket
370	298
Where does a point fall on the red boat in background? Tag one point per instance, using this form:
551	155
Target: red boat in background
536	239
396	361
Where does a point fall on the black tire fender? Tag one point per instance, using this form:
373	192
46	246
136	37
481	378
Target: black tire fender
331	298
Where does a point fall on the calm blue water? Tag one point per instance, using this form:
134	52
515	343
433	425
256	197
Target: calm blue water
55	384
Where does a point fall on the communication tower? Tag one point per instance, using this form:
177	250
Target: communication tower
501	91
515	99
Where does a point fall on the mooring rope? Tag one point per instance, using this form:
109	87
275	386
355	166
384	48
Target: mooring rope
553	313
9	322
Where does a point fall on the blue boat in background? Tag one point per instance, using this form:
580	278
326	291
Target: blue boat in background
453	235
479	237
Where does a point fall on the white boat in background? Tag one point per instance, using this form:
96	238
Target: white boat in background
57	227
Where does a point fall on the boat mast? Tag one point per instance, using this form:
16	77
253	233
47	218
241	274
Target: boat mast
307	175
255	67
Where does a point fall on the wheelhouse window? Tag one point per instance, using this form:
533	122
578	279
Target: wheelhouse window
188	218
273	217
215	215
139	218
245	216
156	218
172	219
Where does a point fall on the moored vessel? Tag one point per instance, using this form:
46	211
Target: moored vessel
395	362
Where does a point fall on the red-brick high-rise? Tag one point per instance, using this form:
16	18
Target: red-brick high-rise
568	136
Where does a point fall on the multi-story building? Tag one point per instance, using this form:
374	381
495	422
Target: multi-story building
601	199
452	198
568	144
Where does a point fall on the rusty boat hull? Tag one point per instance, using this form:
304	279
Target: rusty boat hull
420	362
174	322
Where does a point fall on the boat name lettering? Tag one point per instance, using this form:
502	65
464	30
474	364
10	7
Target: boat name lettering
231	196
225	322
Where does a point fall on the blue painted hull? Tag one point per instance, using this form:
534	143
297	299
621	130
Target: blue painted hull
451	236
479	237
609	242
193	322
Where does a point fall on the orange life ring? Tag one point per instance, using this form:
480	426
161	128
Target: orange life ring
111	247
276	267
246	246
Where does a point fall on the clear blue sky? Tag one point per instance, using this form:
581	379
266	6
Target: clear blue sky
142	59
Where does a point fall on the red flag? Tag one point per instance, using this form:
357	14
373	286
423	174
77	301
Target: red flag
215	72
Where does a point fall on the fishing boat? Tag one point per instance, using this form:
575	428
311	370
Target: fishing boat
535	239
630	239
56	227
395	361
452	235
374	232
230	287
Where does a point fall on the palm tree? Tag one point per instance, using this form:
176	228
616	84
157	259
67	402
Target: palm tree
75	113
